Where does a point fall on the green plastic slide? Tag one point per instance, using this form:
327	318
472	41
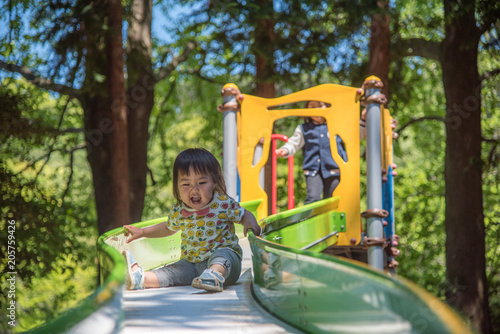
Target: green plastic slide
292	279
319	293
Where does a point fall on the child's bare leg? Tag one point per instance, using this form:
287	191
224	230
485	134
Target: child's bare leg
150	280
218	268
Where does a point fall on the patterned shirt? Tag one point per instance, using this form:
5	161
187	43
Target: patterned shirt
206	230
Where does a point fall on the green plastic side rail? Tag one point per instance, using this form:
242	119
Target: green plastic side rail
319	293
102	312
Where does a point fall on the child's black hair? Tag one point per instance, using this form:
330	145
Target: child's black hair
202	162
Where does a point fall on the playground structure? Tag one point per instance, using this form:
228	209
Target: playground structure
254	125
297	275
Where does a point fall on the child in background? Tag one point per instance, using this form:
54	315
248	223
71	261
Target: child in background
205	215
320	169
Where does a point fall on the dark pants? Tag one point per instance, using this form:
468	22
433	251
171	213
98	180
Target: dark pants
317	185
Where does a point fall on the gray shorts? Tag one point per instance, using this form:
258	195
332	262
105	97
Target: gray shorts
183	272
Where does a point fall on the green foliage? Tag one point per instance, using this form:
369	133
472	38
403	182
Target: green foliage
54	230
419	186
419	19
64	287
311	39
491	180
417	93
419	194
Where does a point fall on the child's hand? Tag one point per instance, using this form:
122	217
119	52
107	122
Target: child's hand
133	232
255	229
248	221
281	152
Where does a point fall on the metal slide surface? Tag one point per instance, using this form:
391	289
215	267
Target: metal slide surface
186	310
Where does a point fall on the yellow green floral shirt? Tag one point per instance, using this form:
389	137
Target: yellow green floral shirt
206	230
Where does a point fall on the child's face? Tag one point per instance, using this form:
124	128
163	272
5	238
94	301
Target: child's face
318	119
196	190
317	104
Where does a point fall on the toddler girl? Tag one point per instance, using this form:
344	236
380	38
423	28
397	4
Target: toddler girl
205	215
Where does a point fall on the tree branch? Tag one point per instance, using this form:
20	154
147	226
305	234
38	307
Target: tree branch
39	81
71	164
416	120
167	70
416	47
490	140
491	17
47	157
68	130
197	72
489	74
492	154
150	172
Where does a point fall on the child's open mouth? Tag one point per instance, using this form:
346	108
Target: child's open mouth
195	200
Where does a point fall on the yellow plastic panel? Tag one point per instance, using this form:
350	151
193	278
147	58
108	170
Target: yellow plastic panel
256	121
386	138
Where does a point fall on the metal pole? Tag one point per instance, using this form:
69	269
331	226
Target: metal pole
257	155
229	108
375	227
274	163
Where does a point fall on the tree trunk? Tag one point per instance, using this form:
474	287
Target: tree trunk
140	95
380	39
99	129
119	181
264	50
464	219
103	103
